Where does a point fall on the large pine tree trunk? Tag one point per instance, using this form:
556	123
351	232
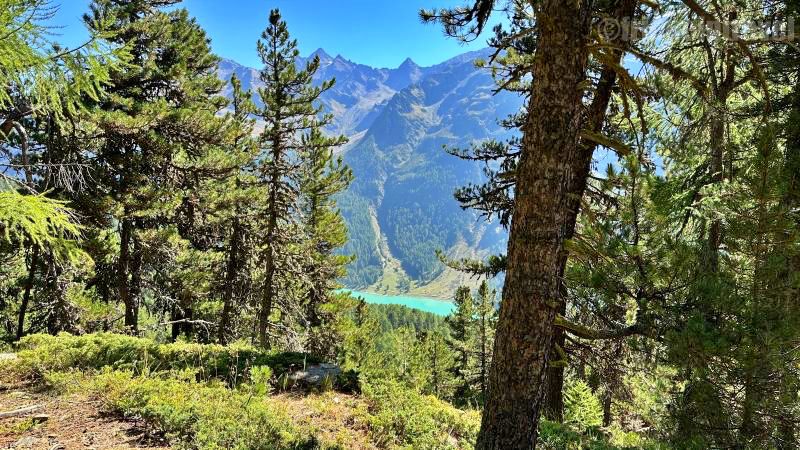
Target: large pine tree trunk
531	296
623	12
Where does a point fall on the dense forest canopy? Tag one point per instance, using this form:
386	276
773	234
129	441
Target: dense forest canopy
180	239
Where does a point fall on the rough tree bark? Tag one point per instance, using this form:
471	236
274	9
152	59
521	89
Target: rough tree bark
531	296
595	118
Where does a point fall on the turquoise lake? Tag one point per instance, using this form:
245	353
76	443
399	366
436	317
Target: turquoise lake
431	305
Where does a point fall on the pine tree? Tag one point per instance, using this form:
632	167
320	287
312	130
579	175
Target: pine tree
462	337
323	177
559	32
440	359
292	120
162	109
236	194
360	336
472	327
486	317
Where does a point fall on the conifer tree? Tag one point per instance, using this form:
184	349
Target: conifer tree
323	177
359	348
42	85
162	107
486	317
440	359
462	335
236	193
292	118
472	326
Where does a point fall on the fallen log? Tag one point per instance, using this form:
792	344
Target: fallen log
20	412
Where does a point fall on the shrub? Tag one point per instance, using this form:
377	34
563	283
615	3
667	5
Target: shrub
348	381
40	353
199	415
260	378
581	406
399	416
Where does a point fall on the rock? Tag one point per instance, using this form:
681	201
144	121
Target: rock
39	418
315	374
26	442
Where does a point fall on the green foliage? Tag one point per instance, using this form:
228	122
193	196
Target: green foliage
260	379
297	167
398	416
53	79
472	328
41	221
391	317
555	436
39	354
199	415
581	406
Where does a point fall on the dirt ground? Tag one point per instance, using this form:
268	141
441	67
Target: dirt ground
66	423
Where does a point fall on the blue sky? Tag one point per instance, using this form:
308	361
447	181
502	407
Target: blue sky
380	33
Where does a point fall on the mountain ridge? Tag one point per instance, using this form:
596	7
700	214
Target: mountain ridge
400	209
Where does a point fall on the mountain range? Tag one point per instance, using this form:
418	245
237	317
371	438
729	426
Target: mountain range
400	208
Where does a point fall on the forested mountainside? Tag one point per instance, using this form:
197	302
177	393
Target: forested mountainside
400	207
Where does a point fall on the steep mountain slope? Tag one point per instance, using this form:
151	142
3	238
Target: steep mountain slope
400	208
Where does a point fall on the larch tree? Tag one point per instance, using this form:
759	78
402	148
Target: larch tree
42	88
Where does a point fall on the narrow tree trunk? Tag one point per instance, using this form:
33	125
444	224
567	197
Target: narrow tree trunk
26	297
269	274
717	144
123	284
553	408
607	400
531	296
748	429
231	276
175	316
135	289
60	317
484	354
